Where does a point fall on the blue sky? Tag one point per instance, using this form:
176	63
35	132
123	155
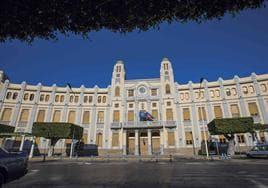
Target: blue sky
212	49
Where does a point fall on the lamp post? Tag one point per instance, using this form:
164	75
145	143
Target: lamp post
203	121
72	144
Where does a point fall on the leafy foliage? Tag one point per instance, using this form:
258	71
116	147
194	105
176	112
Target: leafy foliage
262	127
57	130
28	19
231	126
6	128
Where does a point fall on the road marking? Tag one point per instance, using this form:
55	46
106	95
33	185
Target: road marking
258	184
32	172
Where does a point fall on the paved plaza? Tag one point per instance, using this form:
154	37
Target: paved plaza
244	173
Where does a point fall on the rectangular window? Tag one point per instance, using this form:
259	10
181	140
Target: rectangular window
253	109
24	115
131	93
155	114
56	116
202	113
186	114
41	116
115	139
130	115
169	114
235	110
171	138
217	111
116	116
188	138
100	117
203	136
86	117
154	92
99	139
71	117
6	115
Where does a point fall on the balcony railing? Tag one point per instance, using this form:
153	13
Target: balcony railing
201	122
187	123
22	124
5	122
143	124
115	125
169	123
100	124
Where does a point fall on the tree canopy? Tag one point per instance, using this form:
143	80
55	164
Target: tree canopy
6	128
52	130
26	20
231	125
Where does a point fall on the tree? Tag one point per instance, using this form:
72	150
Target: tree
230	126
26	20
6	128
56	131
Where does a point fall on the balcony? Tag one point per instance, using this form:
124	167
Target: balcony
116	125
187	123
5	122
143	124
200	122
100	124
22	124
169	124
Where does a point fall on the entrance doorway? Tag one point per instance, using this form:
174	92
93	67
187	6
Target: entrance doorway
156	142
143	143
131	143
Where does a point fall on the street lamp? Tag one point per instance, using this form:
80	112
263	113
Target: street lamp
72	144
203	121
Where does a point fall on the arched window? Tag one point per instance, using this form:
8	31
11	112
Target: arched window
57	98
15	95
8	95
26	96
245	89
99	99
263	87
167	89
90	99
42	97
62	98
76	98
104	99
31	97
47	98
85	99
117	91
71	98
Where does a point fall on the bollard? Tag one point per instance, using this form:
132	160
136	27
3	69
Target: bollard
107	158
44	157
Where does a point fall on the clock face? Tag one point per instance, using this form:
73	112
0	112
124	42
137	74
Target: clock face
142	90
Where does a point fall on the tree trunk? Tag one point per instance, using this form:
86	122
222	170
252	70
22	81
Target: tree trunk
231	144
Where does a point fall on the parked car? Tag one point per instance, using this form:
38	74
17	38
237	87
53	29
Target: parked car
13	165
260	150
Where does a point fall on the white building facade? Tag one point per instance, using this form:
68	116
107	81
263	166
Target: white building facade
110	116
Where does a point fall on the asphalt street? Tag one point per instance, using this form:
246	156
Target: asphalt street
252	173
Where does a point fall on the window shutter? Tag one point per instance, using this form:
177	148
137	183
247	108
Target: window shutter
41	116
6	114
217	112
71	117
130	115
115	139
86	117
24	115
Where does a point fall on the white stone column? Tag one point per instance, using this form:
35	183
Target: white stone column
124	142
93	126
260	99
51	102
243	110
137	142
161	142
34	109
3	93
66	101
32	148
18	104
22	142
149	136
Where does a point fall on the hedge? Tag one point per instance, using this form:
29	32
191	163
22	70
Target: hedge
231	125
57	130
6	128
